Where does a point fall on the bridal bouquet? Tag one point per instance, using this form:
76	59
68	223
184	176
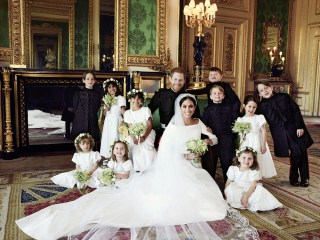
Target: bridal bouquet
242	128
107	177
198	147
81	176
109	100
137	129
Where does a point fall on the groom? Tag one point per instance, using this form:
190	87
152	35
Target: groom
163	99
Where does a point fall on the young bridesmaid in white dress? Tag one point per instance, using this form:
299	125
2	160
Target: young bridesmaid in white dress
242	188
120	162
85	160
257	137
141	148
113	116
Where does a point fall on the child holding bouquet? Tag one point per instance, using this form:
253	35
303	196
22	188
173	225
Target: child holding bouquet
142	136
86	162
119	164
255	136
242	188
113	107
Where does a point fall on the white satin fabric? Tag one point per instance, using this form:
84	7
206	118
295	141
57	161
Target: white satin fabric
172	194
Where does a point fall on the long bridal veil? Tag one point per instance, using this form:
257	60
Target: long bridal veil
171	200
179	198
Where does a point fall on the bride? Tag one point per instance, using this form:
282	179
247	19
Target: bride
172	192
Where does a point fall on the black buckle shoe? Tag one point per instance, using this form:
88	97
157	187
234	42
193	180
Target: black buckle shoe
304	183
294	183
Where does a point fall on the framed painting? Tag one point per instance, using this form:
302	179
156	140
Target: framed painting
140	29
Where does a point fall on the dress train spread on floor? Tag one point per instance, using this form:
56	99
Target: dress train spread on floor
171	193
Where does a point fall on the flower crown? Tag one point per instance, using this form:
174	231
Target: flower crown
241	150
133	92
80	137
111	80
118	140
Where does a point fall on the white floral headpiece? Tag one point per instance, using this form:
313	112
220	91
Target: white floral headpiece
132	92
111	80
241	150
80	137
118	140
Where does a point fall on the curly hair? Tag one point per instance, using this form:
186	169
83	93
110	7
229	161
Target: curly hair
255	164
80	138
113	83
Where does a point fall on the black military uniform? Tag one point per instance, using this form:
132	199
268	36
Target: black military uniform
284	118
220	118
230	96
86	104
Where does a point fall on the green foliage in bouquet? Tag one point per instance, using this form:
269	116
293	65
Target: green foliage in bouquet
197	146
242	127
81	176
107	177
109	100
137	129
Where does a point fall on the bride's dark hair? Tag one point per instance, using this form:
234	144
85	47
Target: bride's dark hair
188	97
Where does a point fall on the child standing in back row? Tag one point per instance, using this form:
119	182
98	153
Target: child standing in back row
242	188
114	106
141	143
257	137
219	116
86	104
290	135
85	160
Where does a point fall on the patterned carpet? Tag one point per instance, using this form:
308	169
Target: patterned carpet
24	193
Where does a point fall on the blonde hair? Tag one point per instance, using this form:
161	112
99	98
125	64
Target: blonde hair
217	86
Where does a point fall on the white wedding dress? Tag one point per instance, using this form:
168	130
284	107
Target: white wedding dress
171	192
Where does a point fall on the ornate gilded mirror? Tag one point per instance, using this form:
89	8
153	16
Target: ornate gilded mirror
271	37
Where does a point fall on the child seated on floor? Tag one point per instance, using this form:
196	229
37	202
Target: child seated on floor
86	162
242	188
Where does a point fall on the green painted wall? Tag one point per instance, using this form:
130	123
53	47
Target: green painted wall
81	34
265	10
4	23
65	40
142	27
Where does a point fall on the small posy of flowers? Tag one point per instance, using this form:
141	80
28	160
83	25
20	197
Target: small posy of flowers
242	128
109	100
79	137
81	176
197	146
137	129
107	177
132	92
240	150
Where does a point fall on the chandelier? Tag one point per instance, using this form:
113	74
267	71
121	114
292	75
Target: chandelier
200	14
197	16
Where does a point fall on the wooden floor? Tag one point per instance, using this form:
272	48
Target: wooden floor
38	161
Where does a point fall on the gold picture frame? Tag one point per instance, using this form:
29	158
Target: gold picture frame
122	58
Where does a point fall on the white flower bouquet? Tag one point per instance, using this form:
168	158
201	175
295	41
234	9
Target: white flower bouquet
107	177
109	100
81	176
198	147
138	129
242	128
